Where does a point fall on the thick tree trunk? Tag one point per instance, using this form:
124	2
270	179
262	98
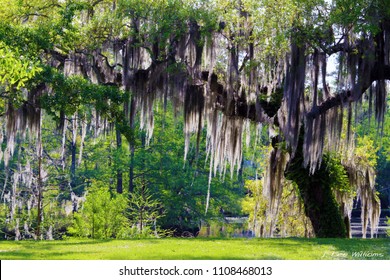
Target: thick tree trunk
322	209
319	201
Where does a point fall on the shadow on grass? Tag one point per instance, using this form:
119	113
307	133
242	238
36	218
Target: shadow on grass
67	255
199	249
69	242
39	250
208	257
230	249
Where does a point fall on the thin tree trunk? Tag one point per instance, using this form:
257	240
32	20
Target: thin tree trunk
73	153
131	146
63	141
40	183
83	134
131	169
119	175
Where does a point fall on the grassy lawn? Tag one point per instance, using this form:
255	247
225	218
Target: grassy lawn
196	248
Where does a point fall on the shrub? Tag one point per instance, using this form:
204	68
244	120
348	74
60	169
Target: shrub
102	216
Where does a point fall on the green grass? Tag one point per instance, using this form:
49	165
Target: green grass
197	248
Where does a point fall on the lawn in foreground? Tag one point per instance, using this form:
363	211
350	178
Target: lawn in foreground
196	249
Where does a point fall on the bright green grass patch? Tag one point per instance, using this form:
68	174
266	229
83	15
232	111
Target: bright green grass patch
197	248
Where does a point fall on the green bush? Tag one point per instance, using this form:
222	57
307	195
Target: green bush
102	215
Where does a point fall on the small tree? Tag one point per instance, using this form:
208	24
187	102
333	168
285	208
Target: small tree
144	210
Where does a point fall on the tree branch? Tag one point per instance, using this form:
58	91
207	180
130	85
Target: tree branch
336	48
379	72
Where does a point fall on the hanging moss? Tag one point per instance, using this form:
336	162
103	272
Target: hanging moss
271	104
193	115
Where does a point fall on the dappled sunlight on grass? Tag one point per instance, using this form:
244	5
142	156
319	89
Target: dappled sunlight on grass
198	248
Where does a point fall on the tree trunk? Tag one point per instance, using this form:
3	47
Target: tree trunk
131	145
119	175
319	201
131	169
73	153
73	166
39	184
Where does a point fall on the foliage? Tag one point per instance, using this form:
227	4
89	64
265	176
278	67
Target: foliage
374	142
75	93
291	219
255	204
171	192
181	186
54	226
19	220
388	223
15	69
144	211
338	177
102	216
366	152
